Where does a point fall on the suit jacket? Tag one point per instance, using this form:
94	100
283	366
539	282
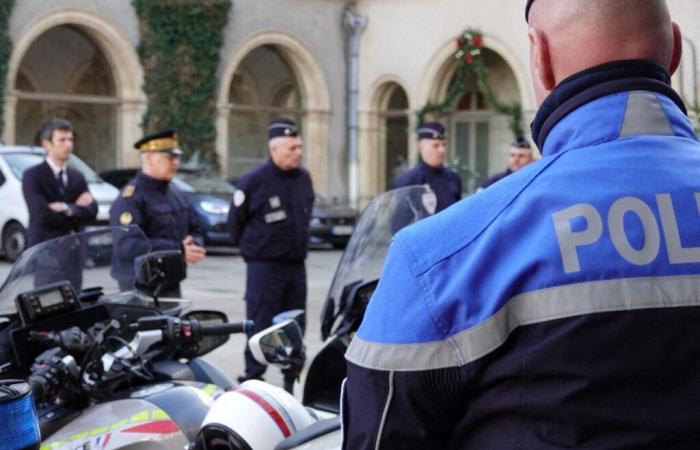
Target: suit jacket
40	187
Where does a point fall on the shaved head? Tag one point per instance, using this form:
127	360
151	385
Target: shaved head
568	36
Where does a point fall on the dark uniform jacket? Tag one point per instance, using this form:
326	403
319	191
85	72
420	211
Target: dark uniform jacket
40	187
159	209
559	308
270	213
445	183
497	177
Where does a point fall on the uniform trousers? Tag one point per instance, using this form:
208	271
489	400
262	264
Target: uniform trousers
271	288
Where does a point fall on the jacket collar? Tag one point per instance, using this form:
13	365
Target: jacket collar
282	173
430	169
594	83
150	182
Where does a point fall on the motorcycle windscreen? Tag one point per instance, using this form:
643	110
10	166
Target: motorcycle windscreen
363	259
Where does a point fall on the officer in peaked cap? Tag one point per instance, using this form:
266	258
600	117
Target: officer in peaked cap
269	220
519	155
431	168
150	201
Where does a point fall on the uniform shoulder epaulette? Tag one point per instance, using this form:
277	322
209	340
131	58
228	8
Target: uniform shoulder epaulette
128	190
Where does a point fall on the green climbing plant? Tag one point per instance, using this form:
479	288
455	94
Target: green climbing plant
179	50
5	51
471	65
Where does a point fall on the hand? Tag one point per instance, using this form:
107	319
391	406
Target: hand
193	252
58	207
85	199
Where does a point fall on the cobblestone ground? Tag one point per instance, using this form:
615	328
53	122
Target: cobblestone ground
219	283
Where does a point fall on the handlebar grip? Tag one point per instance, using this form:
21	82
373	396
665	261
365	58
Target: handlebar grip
227	328
38	389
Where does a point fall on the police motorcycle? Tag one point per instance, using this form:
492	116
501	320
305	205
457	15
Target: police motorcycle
259	416
108	367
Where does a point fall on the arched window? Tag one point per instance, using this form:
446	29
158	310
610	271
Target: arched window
478	135
65	74
263	87
394	133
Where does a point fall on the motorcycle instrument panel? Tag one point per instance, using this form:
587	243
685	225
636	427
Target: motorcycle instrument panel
47	301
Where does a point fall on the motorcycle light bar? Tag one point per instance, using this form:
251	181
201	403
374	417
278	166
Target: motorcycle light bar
19	424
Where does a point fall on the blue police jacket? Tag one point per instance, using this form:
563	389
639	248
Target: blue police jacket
558	308
270	214
161	211
444	182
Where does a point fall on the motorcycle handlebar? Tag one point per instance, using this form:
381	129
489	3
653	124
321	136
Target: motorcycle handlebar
227	328
38	388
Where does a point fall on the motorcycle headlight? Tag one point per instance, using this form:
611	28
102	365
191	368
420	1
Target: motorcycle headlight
214	207
19	425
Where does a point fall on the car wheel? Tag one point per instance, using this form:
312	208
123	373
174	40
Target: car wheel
13	241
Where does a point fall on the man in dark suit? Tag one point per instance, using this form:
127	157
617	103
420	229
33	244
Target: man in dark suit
57	196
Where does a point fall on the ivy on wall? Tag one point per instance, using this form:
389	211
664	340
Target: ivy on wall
5	52
179	50
470	60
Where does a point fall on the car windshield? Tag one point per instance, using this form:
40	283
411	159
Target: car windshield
198	182
21	161
102	258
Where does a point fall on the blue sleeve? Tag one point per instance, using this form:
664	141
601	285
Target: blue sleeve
400	299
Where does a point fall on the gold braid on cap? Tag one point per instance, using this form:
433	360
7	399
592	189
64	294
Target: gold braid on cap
158	145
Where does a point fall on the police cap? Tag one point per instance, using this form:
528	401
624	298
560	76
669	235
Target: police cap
527	9
431	130
165	141
520	142
282	128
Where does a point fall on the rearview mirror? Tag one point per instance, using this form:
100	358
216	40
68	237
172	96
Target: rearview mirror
159	271
280	344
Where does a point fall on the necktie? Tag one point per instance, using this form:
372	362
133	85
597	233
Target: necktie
61	186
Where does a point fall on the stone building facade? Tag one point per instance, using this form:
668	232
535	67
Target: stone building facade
78	59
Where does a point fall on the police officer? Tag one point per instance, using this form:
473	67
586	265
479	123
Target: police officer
269	220
559	307
431	168
519	155
150	201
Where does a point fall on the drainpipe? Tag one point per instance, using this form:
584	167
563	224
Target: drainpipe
354	25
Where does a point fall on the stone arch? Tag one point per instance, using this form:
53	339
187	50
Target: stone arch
315	98
442	66
375	138
122	60
479	137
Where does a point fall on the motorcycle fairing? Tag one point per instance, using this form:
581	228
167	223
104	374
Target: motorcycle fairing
158	420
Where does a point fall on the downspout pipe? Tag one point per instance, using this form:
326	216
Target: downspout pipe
354	24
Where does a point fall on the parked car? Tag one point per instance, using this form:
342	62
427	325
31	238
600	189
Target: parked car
14	215
331	223
209	196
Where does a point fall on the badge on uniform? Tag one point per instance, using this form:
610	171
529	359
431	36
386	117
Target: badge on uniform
275	216
128	190
429	200
238	198
125	218
274	202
